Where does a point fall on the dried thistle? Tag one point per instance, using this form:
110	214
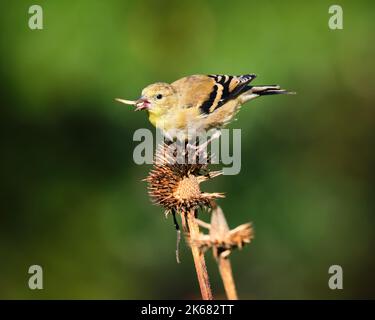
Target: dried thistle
223	240
220	238
174	182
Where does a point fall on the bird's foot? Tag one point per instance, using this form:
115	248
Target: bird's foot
203	146
200	151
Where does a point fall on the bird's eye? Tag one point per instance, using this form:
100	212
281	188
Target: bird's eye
159	96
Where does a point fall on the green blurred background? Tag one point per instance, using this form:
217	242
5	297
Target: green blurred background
72	199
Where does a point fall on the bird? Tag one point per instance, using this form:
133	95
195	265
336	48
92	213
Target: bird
197	103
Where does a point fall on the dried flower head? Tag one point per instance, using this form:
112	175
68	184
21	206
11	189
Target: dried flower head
174	182
220	237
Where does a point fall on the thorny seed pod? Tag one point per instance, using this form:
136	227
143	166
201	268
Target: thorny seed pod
175	184
220	238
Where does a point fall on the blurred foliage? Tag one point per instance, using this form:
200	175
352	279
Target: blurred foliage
72	199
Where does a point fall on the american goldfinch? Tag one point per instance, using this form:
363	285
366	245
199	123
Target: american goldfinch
198	103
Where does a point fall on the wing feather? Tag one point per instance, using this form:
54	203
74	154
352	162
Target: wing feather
232	87
207	93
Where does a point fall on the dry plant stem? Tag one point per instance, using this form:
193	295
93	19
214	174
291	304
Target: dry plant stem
226	274
198	256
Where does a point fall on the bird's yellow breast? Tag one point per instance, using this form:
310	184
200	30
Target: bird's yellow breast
177	118
164	121
153	118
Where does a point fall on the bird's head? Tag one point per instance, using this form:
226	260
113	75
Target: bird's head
156	98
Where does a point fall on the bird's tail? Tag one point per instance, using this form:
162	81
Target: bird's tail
262	90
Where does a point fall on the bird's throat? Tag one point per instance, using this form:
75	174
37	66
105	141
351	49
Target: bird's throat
162	120
152	118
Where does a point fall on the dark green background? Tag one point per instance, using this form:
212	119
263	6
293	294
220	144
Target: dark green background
72	199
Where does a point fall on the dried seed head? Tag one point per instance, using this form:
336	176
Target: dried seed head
220	238
187	188
175	185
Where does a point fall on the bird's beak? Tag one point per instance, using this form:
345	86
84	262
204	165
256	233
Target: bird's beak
140	104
